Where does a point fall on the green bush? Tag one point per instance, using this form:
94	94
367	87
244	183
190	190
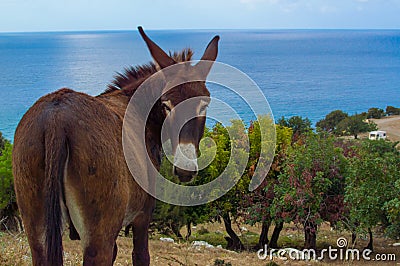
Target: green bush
376	113
331	120
8	205
390	110
7	194
2	142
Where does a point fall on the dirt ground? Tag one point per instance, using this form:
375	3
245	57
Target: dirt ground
14	250
391	125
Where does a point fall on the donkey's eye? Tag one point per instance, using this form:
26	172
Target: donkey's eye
203	109
166	107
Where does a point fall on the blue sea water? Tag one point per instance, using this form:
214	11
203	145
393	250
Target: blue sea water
301	72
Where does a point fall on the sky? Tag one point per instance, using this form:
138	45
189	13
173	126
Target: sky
71	15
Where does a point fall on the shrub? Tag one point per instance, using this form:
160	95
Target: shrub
376	113
390	110
8	205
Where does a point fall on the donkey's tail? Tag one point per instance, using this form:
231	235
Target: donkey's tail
56	152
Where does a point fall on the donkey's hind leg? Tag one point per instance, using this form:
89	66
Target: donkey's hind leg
35	231
31	200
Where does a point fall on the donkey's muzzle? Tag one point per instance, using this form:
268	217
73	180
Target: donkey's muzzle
184	175
185	162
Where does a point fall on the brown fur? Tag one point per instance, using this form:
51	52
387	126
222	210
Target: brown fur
69	167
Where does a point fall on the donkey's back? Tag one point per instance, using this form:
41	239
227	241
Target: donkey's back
69	167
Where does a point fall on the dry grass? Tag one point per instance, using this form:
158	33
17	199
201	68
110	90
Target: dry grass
14	250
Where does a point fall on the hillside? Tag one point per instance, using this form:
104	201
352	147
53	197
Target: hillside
391	125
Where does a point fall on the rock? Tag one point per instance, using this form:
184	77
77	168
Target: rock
198	244
167	239
396	245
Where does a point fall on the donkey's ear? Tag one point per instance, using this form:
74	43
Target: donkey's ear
162	59
212	50
208	57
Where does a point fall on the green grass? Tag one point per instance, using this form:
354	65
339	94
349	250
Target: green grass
249	240
295	241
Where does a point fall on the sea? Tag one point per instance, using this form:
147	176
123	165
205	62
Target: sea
307	73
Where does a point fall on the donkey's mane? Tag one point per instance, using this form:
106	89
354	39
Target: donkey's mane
128	80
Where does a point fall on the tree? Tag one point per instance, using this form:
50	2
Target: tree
169	219
298	124
376	113
390	110
392	207
331	120
369	186
225	208
354	125
313	176
257	204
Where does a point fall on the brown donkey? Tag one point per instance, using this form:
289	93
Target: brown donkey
69	165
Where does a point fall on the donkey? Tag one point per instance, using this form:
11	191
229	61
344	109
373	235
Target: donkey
69	166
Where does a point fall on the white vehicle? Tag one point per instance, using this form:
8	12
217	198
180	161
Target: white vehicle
376	135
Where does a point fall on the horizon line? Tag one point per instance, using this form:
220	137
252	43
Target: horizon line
199	29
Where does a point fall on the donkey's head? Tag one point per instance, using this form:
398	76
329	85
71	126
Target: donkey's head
184	102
